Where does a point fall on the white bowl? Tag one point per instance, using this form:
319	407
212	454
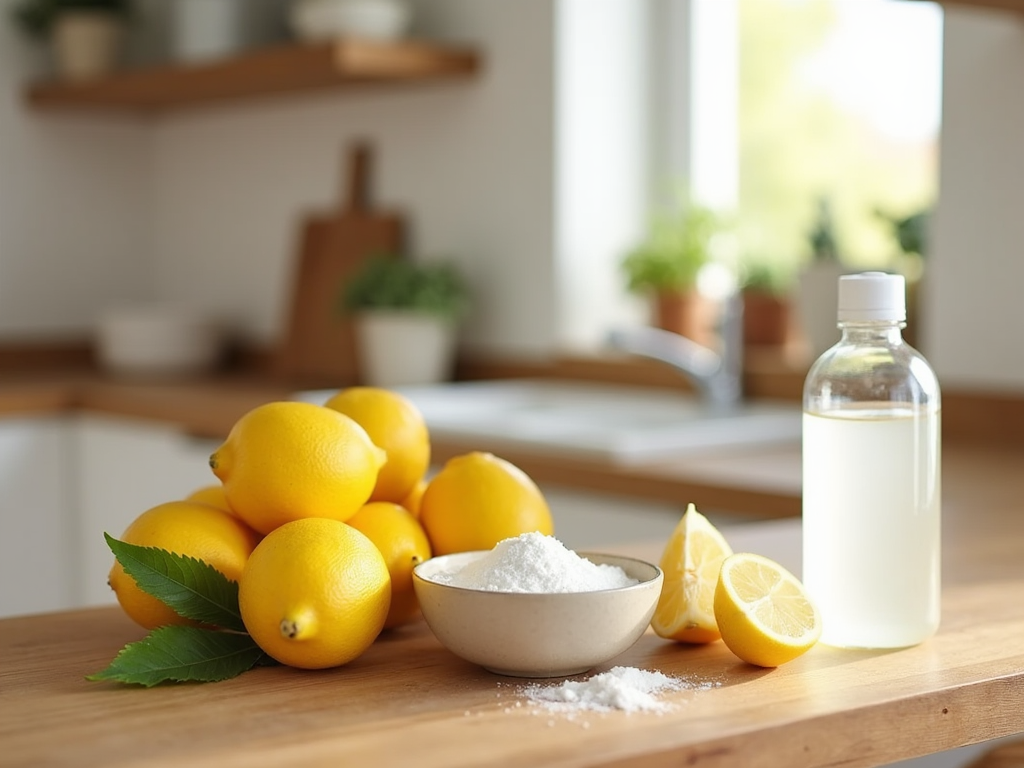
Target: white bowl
537	635
381	20
157	340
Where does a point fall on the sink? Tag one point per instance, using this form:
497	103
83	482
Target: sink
620	424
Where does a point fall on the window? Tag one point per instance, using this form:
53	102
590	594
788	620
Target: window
796	103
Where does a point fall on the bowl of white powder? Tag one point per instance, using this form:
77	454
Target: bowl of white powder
532	608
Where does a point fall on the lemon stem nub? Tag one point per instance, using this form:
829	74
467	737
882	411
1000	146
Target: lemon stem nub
298	626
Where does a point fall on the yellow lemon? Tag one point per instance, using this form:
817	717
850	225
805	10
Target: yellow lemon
185	528
315	593
691	562
412	501
286	461
478	499
212	495
763	612
395	424
402	542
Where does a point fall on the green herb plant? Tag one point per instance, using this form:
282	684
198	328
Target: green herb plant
219	649
677	246
36	17
394	282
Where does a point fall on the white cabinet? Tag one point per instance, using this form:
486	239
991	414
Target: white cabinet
124	467
38	553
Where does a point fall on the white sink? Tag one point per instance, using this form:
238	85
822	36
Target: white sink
620	424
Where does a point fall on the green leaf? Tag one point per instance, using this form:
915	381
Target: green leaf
182	654
191	587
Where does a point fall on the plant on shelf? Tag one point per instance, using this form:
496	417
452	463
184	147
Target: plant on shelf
397	283
766	287
406	319
85	35
666	264
818	282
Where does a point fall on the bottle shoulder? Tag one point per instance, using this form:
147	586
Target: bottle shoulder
877	372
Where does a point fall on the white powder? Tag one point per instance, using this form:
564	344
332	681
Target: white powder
624	688
533	562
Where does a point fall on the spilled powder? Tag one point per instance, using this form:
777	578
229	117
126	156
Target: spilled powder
621	688
533	562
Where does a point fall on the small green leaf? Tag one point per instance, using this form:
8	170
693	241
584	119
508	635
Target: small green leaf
182	654
191	587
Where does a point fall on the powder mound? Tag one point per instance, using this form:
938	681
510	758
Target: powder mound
533	562
623	688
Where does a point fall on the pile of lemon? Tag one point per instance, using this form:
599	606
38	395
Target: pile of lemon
321	514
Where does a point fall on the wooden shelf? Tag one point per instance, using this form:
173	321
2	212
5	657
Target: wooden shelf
1001	5
266	72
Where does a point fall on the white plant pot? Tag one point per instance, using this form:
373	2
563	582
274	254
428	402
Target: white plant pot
398	348
816	302
86	44
382	20
207	29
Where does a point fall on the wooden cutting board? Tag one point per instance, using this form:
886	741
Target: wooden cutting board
319	344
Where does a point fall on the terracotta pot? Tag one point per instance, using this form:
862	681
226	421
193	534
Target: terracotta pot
687	313
765	319
86	44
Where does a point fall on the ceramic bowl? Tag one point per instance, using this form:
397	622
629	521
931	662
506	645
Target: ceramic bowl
537	634
157	340
381	20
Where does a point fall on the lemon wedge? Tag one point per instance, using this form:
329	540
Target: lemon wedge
763	612
691	561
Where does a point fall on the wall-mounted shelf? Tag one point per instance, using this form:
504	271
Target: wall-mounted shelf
1002	5
270	71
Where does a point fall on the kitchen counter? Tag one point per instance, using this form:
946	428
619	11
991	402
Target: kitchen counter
757	483
408	700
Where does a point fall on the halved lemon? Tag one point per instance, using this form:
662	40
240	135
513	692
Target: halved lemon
763	612
691	561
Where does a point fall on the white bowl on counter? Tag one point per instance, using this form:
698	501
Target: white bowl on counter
380	20
524	634
157	340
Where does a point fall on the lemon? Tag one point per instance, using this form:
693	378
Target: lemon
415	496
691	562
763	612
315	593
478	499
212	495
185	528
402	542
394	424
285	461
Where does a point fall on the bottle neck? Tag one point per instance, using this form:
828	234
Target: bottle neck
886	332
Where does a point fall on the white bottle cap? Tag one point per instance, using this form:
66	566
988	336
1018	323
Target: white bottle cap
872	296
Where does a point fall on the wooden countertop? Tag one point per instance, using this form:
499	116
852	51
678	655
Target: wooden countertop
408	700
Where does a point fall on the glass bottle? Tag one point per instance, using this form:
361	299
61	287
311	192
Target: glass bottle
872	475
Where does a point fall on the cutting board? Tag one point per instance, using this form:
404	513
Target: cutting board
319	342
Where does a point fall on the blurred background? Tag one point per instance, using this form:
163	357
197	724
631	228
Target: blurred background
797	120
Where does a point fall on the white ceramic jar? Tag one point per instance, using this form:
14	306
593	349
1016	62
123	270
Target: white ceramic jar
382	20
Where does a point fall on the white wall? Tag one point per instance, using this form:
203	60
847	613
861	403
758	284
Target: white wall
469	163
75	203
973	323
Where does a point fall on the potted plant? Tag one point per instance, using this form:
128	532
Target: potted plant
666	264
406	317
766	305
85	35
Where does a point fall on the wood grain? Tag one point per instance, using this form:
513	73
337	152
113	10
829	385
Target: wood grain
407	696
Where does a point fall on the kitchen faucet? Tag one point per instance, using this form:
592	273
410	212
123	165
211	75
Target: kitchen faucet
716	374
